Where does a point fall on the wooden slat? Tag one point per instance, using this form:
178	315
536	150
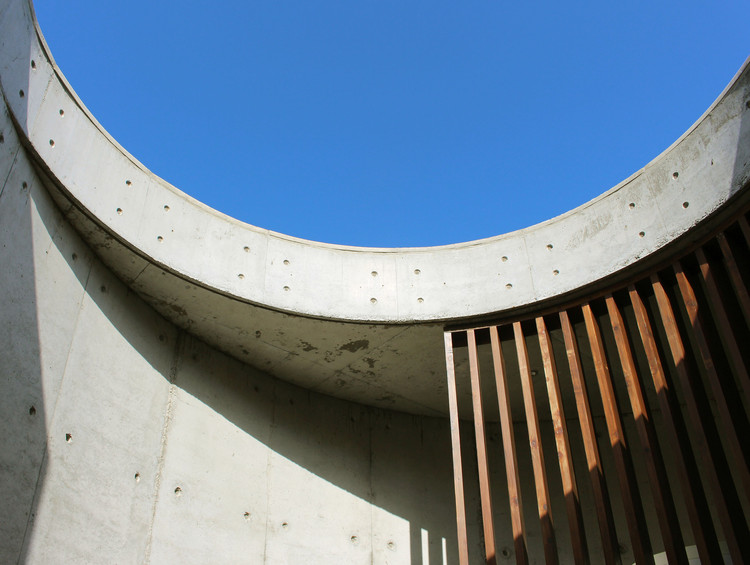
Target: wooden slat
725	499
596	473
564	456
692	490
664	503
458	476
537	456
509	451
728	431
728	340
745	229
631	496
738	284
484	475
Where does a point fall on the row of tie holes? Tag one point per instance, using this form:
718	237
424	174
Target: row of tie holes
178	492
374	300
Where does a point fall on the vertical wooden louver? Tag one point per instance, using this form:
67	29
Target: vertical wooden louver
643	395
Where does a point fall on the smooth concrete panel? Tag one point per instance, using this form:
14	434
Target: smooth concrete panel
212	494
104	439
316	477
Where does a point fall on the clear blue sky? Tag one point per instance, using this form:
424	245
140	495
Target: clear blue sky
396	123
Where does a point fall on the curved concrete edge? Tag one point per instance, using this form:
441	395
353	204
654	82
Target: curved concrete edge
173	232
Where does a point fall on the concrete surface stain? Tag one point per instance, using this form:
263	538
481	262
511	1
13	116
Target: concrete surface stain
354	346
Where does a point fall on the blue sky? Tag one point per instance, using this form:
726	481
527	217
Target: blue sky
394	124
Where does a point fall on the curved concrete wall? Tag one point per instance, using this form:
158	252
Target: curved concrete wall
145	410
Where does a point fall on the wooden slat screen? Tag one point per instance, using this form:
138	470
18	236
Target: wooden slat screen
622	422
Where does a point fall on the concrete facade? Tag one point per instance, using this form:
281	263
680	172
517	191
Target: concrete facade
179	387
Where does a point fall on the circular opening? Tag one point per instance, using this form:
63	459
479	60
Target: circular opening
240	276
420	300
166	208
246	515
286	261
51	142
508	286
675	175
685	204
287	289
128	183
137	477
33	64
159	238
246	249
555	272
69	438
631	205
178	491
641	234
62	112
374	300
447	160
503	258
374	273
21	93
417	271
119	211
549	246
